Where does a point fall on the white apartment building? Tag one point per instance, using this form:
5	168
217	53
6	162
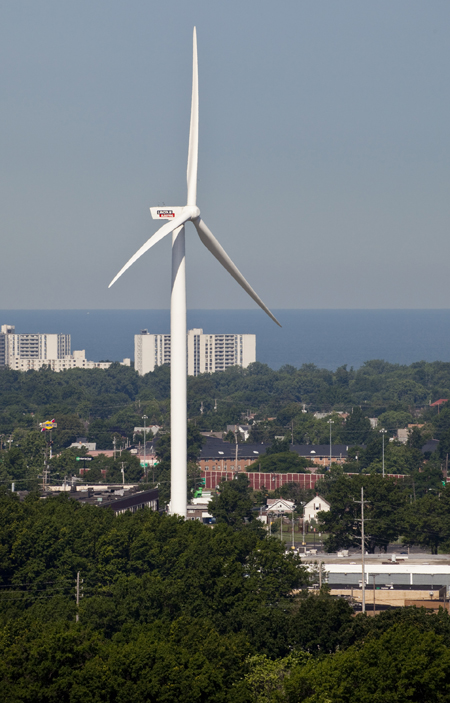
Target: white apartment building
206	353
77	360
26	352
31	346
150	350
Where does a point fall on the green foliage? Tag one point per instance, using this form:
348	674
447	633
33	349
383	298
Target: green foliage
174	610
400	666
233	504
265	677
385	498
187	660
357	428
394	419
426	521
285	462
278	446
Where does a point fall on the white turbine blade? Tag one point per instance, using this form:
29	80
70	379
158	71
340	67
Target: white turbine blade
217	250
192	163
160	234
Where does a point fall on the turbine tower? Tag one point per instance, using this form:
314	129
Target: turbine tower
178	216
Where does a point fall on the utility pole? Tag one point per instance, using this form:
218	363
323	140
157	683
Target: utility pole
292	431
383	432
236	451
293	540
114	444
144	417
330	422
363	546
123	474
45	471
201	408
281	533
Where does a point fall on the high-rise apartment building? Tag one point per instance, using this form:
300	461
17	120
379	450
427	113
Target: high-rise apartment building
150	350
206	353
15	347
31	352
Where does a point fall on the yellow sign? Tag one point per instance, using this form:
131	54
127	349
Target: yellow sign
48	425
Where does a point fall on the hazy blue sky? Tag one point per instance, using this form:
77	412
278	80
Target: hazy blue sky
324	151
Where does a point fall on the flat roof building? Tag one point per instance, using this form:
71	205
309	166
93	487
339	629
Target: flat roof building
206	353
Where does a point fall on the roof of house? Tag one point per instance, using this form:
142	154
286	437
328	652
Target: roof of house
272	501
315	499
430	446
439	402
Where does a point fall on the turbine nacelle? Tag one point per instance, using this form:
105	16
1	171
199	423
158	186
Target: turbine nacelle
168	213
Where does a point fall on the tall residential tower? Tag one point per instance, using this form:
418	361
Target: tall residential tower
206	353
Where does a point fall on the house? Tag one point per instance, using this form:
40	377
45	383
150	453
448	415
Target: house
82	442
199	511
243	430
402	435
279	506
316	505
439	402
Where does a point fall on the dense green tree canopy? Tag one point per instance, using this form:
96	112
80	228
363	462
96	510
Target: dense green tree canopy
284	462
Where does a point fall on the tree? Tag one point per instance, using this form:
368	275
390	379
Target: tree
278	446
195	441
426	522
233	505
400	666
285	462
383	512
357	429
265	677
15	467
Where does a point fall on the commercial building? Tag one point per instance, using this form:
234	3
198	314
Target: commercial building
219	455
206	353
119	498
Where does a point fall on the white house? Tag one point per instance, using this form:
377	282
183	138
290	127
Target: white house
279	506
316	505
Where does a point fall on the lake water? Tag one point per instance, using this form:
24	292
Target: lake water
327	338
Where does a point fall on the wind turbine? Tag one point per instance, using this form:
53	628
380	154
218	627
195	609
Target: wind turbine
178	216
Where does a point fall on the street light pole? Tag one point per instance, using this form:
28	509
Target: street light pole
330	422
383	432
303	527
144	417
